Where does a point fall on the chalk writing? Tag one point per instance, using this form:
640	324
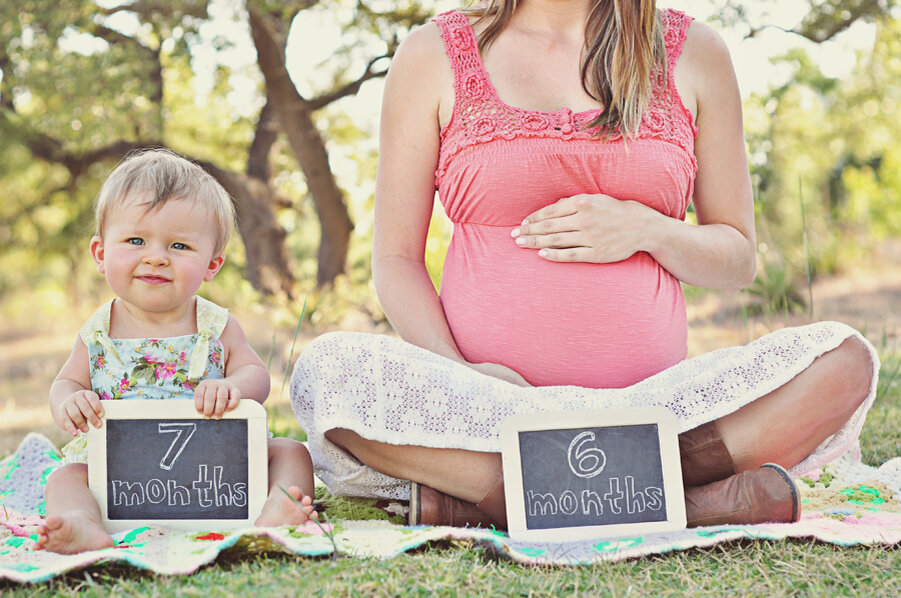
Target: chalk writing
177	469
207	492
591	476
585	462
591	503
183	433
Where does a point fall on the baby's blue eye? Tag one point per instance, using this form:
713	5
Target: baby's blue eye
179	246
135	241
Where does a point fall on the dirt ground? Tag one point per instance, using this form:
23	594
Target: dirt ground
866	297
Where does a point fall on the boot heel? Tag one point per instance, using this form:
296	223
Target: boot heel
796	498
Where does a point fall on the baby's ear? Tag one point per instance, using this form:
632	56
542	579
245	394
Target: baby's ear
97	252
214	266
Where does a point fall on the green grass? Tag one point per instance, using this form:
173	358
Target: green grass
747	568
792	567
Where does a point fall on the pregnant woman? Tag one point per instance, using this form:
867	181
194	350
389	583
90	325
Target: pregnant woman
566	140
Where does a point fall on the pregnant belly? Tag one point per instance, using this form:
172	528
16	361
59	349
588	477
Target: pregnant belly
593	325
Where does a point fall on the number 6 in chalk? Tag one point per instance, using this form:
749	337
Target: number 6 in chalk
585	462
183	435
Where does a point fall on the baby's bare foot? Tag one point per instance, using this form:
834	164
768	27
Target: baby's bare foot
73	534
279	509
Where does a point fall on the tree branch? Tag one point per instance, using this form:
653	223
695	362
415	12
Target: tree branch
819	25
145	8
351	88
263	138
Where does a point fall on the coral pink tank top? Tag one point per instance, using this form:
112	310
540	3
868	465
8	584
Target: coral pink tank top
593	325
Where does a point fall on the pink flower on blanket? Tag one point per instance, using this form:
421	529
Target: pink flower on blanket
124	385
311	528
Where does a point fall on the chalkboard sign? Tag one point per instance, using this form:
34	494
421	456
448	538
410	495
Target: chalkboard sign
162	463
574	475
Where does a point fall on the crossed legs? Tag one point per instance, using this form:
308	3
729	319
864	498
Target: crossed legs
781	427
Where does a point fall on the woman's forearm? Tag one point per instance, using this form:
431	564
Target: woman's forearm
714	255
412	305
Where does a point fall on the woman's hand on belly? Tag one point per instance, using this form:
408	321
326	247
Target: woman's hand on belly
499	371
593	228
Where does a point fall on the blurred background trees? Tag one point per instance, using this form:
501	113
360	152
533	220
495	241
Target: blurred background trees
249	90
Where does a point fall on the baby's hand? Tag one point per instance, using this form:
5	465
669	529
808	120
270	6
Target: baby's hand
80	409
215	396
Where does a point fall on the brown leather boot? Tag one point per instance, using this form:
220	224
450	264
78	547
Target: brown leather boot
431	507
705	458
767	494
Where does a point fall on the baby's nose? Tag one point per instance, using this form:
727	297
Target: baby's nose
155	256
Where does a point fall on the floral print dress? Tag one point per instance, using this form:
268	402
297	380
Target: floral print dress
150	368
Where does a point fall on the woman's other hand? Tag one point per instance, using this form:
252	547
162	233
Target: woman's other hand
499	371
586	228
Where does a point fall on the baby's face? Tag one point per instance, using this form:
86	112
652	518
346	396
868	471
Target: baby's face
157	260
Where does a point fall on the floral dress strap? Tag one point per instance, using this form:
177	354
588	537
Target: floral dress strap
96	330
211	321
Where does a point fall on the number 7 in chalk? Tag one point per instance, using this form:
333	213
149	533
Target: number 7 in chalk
183	435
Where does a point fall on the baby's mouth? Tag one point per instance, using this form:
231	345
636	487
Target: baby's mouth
153	279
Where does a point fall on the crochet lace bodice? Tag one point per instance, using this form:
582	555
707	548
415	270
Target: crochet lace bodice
480	116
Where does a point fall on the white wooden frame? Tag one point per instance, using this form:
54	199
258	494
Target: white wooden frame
669	458
181	409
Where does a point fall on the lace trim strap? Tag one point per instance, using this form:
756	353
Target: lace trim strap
211	321
462	49
96	330
675	31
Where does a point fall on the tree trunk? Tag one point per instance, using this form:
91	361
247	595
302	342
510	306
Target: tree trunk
267	266
295	116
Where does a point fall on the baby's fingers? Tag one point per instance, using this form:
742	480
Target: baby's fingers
92	408
75	417
222	399
234	399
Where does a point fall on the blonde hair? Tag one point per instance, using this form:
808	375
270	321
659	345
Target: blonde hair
162	175
623	47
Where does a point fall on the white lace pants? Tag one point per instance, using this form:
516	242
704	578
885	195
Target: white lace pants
388	390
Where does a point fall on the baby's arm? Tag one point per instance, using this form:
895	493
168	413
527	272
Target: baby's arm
72	402
245	375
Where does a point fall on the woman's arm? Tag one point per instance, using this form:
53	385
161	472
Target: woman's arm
417	82
720	251
418	99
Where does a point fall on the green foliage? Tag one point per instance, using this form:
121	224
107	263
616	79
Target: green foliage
775	291
87	74
839	142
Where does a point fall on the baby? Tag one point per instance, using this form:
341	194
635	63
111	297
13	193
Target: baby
162	226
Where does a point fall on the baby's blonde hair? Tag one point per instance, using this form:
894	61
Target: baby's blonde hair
161	175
